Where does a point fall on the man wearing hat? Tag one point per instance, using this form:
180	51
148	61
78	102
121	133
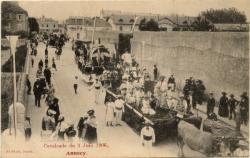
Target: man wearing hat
210	104
223	105
244	107
119	109
47	74
232	104
147	135
37	90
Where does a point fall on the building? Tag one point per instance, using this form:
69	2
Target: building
14	18
47	25
166	25
76	27
62	28
123	21
231	27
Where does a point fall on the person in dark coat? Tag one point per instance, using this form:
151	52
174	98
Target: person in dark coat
91	130
32	62
80	127
55	107
46	52
171	82
210	104
47	75
53	64
223	105
37	90
40	64
155	71
244	106
46	61
232	104
199	92
28	84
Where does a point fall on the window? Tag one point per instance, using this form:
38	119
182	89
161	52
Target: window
121	28
78	35
54	26
47	25
19	17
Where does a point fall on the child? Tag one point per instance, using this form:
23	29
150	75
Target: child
75	84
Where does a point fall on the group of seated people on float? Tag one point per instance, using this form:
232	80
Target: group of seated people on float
139	90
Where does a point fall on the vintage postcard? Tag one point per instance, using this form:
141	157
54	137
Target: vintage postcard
125	78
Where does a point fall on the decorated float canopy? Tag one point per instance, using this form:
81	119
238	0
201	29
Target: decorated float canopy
100	50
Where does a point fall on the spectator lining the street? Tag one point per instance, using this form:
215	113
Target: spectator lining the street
48	121
54	64
244	108
47	75
75	84
91	130
210	104
27	128
155	72
37	90
171	82
232	104
223	105
28	84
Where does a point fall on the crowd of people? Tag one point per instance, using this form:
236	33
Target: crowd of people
54	124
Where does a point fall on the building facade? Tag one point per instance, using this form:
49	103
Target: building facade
14	18
76	27
47	25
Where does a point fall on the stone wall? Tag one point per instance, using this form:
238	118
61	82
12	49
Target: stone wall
220	59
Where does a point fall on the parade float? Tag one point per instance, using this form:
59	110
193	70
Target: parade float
164	120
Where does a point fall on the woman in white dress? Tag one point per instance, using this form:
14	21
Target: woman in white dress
109	112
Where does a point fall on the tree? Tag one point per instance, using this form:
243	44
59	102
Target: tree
33	24
201	24
150	25
231	15
142	25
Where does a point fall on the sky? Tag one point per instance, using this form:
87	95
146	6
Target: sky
61	10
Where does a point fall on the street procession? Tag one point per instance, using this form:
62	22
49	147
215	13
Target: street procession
86	89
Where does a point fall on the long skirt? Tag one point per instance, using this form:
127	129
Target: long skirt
91	134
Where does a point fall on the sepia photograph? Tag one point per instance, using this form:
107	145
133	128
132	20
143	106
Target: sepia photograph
124	78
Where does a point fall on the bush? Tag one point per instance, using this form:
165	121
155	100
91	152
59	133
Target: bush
20	60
